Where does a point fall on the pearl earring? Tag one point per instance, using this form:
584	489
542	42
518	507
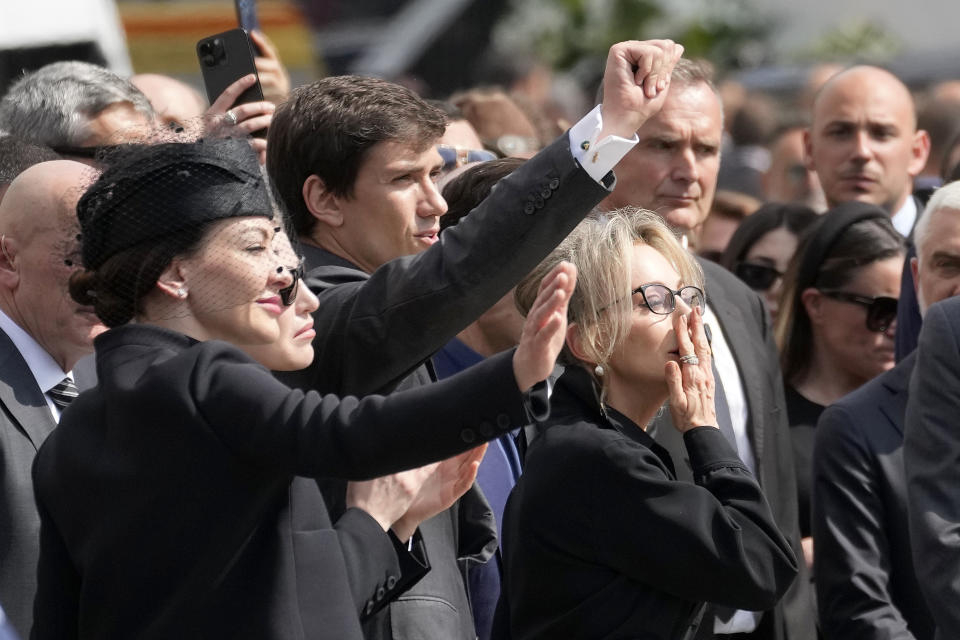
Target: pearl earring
598	370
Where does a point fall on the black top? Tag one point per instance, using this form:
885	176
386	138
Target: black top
171	505
602	541
802	415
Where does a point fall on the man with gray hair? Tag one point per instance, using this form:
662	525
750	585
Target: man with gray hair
931	447
73	107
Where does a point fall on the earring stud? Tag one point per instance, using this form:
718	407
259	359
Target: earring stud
181	292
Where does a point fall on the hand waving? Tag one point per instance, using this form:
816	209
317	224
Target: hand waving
545	328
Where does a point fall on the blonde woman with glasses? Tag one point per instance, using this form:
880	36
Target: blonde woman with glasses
600	538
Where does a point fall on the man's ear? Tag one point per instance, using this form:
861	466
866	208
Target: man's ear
915	274
575	343
919	152
808	149
322	203
812	301
172	281
9	274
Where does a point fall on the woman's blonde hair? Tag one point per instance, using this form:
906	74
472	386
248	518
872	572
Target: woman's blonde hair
601	249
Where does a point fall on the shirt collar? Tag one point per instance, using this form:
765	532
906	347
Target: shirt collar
44	368
904	219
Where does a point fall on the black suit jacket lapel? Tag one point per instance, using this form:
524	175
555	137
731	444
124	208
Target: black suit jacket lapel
20	395
894	404
742	345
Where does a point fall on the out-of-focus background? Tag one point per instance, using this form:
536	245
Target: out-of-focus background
440	46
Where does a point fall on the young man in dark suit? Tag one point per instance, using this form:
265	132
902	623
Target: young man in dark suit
42	335
673	172
354	163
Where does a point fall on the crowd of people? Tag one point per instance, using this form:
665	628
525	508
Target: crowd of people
405	368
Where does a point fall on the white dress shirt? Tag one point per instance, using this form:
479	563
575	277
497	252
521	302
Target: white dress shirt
904	219
597	157
46	372
742	621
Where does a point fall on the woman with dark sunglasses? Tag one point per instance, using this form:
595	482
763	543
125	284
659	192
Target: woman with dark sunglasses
761	247
837	321
600	538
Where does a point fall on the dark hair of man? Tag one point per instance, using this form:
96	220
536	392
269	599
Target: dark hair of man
17	155
772	215
328	127
860	244
465	192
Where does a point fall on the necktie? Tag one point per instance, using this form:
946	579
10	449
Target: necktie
724	421
63	393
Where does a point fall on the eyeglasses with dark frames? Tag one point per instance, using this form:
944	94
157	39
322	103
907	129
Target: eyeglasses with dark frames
288	295
756	275
662	300
881	310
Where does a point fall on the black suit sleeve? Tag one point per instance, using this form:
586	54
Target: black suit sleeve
373	332
379	566
56	604
852	559
672	534
931	453
265	422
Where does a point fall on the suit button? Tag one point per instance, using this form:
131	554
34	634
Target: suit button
468	436
529	208
369	608
391	582
546	193
381	592
554	183
503	421
538	203
486	429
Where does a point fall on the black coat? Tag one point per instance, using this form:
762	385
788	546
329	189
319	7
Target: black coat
602	541
866	585
171	506
931	457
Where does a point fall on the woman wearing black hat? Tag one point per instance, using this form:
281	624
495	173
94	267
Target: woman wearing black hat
177	497
838	310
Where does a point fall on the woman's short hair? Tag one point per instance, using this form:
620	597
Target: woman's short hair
601	249
845	239
772	215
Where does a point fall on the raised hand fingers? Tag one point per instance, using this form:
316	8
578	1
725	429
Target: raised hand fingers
226	99
701	346
681	329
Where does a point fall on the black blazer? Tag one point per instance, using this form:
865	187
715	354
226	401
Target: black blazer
376	333
931	456
170	504
602	541
866	585
746	326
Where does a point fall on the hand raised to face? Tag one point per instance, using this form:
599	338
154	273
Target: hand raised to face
690	382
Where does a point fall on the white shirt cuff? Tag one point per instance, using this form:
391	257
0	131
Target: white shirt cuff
597	157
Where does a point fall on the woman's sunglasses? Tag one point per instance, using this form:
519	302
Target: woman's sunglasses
288	295
757	276
881	311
